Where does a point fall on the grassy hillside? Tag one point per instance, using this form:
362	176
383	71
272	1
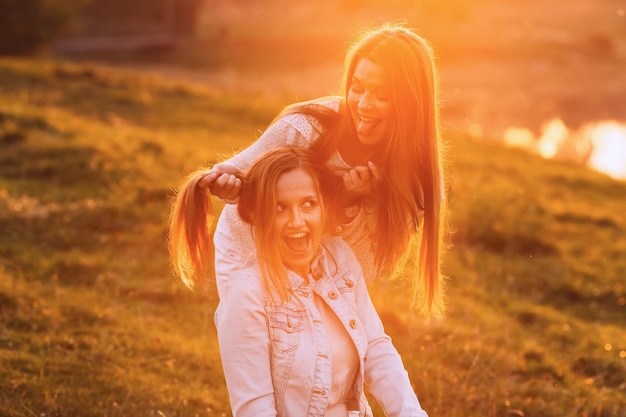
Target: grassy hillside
93	324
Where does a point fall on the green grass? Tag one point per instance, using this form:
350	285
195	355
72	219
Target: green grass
92	323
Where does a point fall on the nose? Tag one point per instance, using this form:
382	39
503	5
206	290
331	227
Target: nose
365	101
295	218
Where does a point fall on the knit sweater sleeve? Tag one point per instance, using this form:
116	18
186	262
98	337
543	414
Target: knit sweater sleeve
291	129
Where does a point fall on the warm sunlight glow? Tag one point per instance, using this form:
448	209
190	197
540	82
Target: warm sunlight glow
608	141
555	133
519	137
601	146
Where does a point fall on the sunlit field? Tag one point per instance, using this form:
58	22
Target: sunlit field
92	322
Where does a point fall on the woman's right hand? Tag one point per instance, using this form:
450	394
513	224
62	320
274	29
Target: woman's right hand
223	181
362	180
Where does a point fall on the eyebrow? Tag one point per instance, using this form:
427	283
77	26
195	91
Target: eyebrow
305	197
382	86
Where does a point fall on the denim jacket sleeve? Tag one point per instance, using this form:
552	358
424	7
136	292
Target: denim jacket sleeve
245	347
385	374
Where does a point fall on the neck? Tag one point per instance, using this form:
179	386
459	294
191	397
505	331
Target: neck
303	272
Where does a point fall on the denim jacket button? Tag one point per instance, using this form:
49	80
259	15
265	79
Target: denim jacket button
353	323
332	294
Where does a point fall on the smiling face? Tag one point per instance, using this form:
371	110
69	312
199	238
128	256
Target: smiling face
299	220
369	102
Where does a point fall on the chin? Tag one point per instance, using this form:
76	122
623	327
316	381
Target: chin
369	141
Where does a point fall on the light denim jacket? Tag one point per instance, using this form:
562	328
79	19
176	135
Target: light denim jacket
276	358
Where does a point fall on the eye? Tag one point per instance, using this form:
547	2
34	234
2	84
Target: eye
356	87
383	95
280	207
310	204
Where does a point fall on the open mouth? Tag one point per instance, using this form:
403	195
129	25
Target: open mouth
297	242
365	125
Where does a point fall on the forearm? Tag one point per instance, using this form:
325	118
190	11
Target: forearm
385	374
281	133
389	381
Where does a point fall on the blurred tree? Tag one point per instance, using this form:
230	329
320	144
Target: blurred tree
27	26
185	17
177	17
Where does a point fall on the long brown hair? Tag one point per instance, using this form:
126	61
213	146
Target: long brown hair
190	232
257	206
411	209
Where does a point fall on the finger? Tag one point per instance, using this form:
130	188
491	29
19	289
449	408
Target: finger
207	179
222	180
355	179
229	186
233	193
231	183
378	176
218	186
226	186
363	172
348	181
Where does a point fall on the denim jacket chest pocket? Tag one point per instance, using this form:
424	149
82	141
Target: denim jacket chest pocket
344	282
285	327
345	286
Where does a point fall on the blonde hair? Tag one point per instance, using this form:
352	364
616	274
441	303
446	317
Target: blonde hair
411	209
190	233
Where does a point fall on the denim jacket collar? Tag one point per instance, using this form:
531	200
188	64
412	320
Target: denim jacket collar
323	264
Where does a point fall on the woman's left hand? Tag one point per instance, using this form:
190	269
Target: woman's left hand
361	180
